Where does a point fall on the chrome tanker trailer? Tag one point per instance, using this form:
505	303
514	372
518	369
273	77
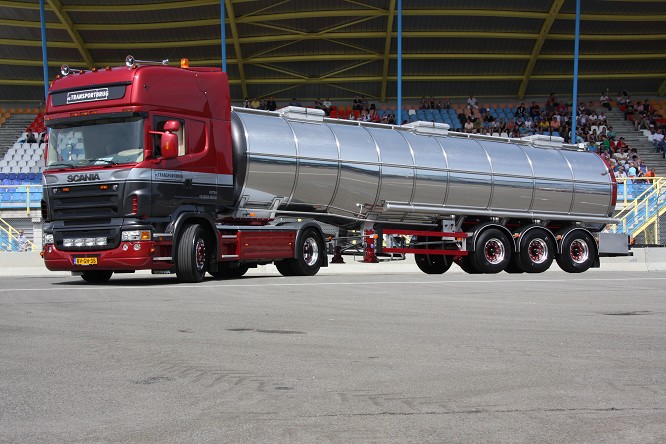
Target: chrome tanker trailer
149	167
489	199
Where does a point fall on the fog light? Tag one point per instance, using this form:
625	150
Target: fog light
137	247
68	242
100	241
79	242
125	247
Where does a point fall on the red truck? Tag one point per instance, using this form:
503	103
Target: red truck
149	167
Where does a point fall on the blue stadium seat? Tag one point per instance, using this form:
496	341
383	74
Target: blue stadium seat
3	176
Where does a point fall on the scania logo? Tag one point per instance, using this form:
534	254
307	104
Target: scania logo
83	177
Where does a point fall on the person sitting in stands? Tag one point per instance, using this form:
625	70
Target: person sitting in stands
294	102
326	106
535	110
271	104
472	103
30	137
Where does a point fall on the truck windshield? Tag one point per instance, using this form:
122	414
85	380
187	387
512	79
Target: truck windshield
99	142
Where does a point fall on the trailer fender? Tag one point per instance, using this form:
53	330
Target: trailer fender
522	231
300	228
480	228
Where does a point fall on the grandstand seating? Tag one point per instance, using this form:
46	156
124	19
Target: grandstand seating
22	165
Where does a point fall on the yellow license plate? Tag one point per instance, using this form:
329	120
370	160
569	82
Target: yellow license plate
85	261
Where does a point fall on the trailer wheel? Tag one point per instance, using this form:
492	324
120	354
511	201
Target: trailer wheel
492	252
432	263
225	271
285	267
97	276
465	263
578	253
192	261
537	251
309	251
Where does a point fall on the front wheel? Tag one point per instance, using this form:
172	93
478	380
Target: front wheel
578	253
97	276
193	254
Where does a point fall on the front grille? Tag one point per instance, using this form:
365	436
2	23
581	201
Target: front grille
85	202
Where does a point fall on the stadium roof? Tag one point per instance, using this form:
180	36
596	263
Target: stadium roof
343	48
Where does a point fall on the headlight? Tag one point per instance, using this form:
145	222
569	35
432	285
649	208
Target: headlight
47	239
135	235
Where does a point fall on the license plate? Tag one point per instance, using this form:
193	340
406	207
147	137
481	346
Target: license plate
85	261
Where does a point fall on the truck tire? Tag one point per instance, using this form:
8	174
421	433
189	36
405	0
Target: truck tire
97	276
492	252
224	271
433	263
537	251
192	260
465	263
285	267
309	255
578	253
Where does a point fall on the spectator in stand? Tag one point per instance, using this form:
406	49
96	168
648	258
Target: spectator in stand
621	144
30	137
446	104
605	144
605	100
317	104
391	119
472	103
326	106
271	104
521	111
591	146
294	102
555	124
551	104
364	103
255	104
502	126
611	133
43	138
562	109
535	110
488	119
22	242
246	102
469	125
620	174
623	99
658	141
357	104
650	175
432	103
424	103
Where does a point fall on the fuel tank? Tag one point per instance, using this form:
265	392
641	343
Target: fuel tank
296	160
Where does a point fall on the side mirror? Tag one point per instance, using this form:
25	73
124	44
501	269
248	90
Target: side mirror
169	145
169	139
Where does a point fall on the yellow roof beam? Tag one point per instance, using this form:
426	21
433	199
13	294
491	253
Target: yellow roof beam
237	48
415	78
536	49
71	30
387	48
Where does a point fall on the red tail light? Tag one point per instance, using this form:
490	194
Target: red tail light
135	204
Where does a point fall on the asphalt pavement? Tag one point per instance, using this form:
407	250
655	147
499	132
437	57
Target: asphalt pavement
383	355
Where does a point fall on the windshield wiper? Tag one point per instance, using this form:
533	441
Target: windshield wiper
62	165
105	161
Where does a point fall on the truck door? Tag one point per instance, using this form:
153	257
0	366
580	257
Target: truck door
187	179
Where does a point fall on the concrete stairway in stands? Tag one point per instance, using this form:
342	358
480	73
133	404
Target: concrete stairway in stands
12	129
636	139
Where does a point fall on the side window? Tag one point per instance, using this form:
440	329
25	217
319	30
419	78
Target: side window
158	125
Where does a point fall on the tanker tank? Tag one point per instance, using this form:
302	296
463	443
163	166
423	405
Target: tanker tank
296	160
